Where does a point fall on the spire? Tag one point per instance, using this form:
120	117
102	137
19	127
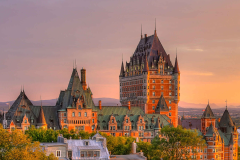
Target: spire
226	120
141	31
155	32
75	64
122	70
226	104
208	113
176	68
41	118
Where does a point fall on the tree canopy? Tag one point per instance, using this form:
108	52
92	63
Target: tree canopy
174	143
116	145
17	146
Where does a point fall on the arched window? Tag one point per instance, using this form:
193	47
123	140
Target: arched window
73	114
79	114
85	114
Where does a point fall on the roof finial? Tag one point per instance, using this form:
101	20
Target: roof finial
226	104
208	101
122	57
176	52
75	64
155	26
141	31
41	100
21	88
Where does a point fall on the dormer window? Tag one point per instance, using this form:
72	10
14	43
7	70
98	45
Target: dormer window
25	121
126	120
140	120
86	143
112	120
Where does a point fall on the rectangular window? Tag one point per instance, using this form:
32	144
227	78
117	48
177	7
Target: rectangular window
153	81
85	114
153	93
79	114
92	120
65	120
58	153
153	101
73	114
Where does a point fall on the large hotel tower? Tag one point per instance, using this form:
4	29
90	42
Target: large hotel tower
150	80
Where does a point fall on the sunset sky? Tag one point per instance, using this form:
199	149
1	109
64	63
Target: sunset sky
40	39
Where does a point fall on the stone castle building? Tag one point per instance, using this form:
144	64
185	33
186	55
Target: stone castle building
150	75
149	94
75	110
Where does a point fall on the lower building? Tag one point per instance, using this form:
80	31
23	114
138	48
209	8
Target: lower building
73	149
220	134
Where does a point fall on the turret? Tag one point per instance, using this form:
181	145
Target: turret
83	79
41	121
122	71
207	119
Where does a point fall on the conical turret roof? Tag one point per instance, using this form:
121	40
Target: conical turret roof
208	113
226	120
122	70
162	105
41	118
210	131
176	67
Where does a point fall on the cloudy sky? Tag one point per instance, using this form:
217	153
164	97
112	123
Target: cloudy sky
40	39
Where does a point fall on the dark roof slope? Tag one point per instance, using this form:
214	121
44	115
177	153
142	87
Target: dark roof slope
208	113
162	105
226	120
176	67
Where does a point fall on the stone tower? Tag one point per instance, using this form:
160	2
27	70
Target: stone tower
148	75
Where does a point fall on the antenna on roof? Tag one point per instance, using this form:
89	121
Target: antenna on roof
226	104
208	101
122	57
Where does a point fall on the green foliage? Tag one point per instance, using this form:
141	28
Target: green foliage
17	146
117	145
174	144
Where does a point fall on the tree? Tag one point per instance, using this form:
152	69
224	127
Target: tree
17	146
175	143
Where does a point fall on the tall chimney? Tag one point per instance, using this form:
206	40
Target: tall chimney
129	105
134	147
83	78
100	104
